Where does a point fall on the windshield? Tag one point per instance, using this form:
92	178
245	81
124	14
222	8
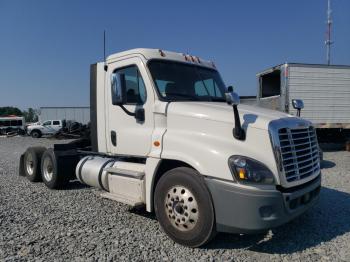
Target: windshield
177	81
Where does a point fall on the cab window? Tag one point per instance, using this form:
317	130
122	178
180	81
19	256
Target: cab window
47	123
134	85
207	87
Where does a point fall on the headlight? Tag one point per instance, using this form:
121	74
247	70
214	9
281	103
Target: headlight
248	170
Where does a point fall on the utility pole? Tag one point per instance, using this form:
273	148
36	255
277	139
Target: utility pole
328	41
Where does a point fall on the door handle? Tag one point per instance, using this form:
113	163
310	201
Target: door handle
114	138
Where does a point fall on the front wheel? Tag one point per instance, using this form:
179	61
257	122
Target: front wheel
184	208
35	134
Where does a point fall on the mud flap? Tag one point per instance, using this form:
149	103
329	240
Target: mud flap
21	166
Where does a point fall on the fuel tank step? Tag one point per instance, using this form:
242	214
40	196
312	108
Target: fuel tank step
121	181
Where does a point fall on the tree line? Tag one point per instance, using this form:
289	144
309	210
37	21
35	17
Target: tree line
30	115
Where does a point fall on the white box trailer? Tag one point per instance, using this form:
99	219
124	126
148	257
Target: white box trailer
325	90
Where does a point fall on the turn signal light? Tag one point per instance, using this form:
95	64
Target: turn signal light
242	173
186	58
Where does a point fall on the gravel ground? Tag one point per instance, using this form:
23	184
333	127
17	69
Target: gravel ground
77	224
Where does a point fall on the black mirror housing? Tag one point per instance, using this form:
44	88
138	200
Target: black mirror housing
297	104
232	99
140	114
230	89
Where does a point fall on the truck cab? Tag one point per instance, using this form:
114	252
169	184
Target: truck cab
168	134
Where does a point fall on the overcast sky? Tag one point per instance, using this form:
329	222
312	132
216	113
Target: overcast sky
46	47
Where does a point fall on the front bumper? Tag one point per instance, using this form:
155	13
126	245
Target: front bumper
241	210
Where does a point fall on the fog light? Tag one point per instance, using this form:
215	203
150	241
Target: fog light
266	211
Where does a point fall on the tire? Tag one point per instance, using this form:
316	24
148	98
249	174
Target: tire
184	208
36	134
49	171
31	163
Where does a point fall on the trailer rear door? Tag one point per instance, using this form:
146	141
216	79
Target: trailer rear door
269	95
325	91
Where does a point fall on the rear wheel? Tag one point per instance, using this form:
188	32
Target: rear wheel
35	134
32	159
184	208
49	171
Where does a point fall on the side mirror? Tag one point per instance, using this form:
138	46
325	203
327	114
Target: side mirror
298	104
232	98
118	89
140	114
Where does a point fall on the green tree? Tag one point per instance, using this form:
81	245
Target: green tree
31	115
10	110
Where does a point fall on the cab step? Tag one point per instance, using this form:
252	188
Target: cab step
123	199
125	172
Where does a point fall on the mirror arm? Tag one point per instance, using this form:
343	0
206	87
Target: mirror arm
127	111
238	132
140	116
298	112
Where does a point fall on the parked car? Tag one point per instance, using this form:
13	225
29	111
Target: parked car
48	127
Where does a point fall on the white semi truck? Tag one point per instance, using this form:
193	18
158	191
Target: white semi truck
167	134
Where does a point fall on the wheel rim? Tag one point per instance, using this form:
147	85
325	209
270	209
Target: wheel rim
181	208
47	169
30	164
35	134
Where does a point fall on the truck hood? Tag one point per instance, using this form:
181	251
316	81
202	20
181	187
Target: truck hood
221	112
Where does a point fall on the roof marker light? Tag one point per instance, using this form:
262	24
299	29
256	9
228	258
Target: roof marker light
186	58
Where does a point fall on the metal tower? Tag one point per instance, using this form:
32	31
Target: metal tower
328	41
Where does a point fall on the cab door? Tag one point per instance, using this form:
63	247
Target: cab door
47	127
127	135
56	125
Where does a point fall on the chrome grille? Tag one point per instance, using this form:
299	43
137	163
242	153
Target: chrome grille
299	152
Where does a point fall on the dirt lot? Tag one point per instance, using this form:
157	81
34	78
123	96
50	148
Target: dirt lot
77	224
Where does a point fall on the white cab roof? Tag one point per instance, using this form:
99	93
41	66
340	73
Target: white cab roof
149	54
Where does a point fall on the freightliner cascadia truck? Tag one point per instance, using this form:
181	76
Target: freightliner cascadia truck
167	134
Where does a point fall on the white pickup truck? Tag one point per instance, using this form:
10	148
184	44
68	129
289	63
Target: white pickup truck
166	133
48	127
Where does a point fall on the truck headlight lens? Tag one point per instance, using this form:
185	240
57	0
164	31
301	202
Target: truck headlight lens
248	170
